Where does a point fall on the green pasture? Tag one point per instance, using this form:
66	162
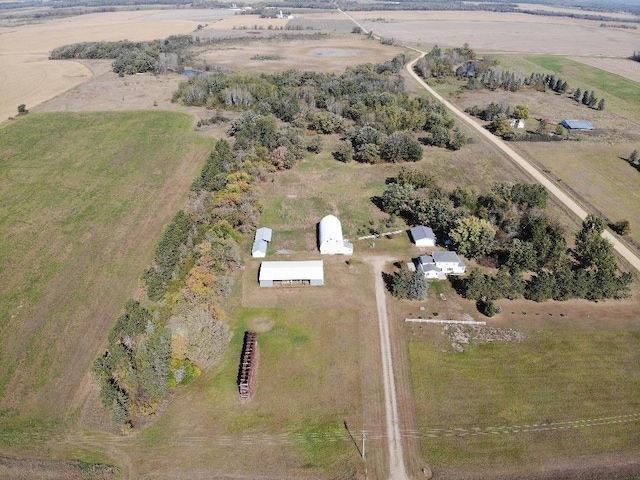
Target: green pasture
83	199
621	94
307	384
560	393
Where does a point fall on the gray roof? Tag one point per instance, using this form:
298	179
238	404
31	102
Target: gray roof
425	259
420	231
446	257
259	246
578	124
264	233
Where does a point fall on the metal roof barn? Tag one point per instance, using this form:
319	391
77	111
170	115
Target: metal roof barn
331	240
578	124
285	273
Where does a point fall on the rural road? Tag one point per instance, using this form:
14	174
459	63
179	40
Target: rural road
565	199
396	455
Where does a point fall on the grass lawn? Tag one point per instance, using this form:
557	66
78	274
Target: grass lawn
494	393
83	200
307	385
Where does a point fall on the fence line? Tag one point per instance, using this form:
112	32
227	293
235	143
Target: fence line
435	320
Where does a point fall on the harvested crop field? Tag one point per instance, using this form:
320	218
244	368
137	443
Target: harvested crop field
84	200
502	32
620	66
26	74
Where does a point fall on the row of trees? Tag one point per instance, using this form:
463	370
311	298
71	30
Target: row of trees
507	229
589	99
154	349
480	73
157	56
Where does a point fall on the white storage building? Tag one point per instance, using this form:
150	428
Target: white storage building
286	273
261	242
331	241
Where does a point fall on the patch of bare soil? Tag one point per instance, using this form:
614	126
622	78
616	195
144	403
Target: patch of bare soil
15	469
461	335
620	66
261	324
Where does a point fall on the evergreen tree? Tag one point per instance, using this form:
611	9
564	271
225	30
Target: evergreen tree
601	104
577	94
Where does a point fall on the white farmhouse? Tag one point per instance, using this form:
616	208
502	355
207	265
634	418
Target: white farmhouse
423	236
440	264
331	241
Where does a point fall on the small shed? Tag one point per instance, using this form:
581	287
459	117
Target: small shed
291	273
577	124
516	123
261	242
423	236
331	241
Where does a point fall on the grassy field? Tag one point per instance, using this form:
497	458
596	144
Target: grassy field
494	393
293	424
621	94
84	198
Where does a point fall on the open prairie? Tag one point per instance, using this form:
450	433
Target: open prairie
502	32
84	200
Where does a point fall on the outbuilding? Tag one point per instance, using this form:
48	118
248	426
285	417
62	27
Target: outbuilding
291	273
261	242
423	236
331	241
577	124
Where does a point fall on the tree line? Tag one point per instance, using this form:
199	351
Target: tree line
507	229
157	56
463	63
182	325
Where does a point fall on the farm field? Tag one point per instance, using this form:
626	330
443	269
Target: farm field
501	32
319	364
84	200
29	77
556	401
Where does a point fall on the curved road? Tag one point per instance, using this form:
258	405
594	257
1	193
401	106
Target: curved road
627	254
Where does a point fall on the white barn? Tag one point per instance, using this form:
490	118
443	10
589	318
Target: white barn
331	241
286	273
261	241
440	264
423	236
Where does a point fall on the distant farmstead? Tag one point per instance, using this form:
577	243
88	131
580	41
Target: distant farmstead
577	124
423	236
331	241
286	273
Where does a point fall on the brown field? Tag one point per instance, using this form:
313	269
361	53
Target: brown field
26	74
620	66
502	32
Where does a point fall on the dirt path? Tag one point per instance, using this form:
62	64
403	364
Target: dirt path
563	197
396	455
